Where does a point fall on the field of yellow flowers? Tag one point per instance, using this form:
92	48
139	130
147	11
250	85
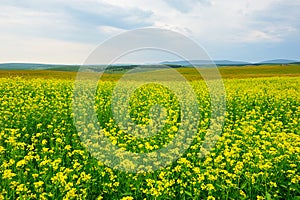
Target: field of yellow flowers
256	157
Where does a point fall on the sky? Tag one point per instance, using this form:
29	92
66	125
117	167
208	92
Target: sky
66	32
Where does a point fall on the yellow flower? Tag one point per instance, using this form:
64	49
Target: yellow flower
59	177
38	184
49	126
273	184
177	168
71	194
21	188
260	197
21	163
2	149
44	141
68	147
85	177
243	193
69	186
35	176
59	140
127	198
8	174
210	187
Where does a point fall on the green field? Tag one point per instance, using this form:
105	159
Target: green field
257	156
189	73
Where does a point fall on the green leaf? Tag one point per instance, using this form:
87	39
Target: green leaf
268	196
188	193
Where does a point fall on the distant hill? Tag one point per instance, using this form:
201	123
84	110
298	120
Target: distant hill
58	67
278	61
121	67
37	66
205	62
23	66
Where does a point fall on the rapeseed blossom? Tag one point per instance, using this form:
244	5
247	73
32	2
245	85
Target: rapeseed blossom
256	157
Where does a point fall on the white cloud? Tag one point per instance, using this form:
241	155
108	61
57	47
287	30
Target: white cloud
14	48
185	6
110	30
260	36
73	23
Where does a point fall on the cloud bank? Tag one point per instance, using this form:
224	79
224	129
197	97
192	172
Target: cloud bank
53	31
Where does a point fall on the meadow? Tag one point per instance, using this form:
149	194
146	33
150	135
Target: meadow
190	74
256	157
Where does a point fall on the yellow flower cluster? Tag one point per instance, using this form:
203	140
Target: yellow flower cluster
257	155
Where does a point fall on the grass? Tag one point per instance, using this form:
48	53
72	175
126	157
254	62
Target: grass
189	73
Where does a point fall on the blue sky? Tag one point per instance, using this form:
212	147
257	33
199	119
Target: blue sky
55	31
